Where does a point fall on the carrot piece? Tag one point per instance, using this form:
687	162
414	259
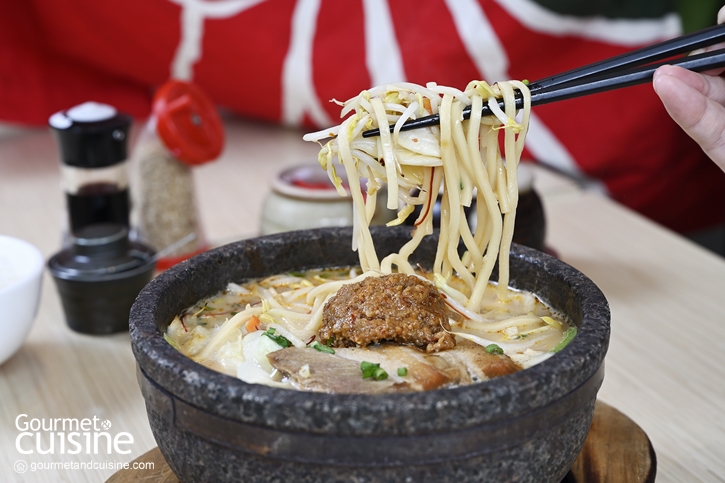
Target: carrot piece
252	324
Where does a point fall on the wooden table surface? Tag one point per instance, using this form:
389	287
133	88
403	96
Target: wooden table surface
665	368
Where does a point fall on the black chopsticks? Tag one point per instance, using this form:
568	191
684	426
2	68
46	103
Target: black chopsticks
636	67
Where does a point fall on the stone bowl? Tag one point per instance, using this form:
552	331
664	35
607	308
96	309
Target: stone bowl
210	427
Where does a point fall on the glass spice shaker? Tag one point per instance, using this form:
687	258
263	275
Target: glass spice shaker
99	271
184	130
92	139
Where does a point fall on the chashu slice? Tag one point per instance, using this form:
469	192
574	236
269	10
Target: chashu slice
424	371
480	364
311	370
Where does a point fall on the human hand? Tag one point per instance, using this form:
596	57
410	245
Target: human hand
697	103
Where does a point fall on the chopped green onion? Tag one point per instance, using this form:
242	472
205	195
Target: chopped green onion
322	348
569	335
402	371
370	369
525	82
297	274
494	349
279	339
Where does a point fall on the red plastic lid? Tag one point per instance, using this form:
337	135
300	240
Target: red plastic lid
168	262
187	122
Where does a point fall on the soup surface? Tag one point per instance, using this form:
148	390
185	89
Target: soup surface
285	331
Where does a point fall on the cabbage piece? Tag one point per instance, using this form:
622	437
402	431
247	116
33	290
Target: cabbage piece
256	346
230	354
415	159
421	141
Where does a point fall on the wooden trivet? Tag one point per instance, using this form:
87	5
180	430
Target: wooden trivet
615	451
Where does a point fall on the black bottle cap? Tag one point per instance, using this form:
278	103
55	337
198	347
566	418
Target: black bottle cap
99	251
91	135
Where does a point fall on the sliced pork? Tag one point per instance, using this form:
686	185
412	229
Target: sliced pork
341	372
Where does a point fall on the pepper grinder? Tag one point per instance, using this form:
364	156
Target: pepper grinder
184	131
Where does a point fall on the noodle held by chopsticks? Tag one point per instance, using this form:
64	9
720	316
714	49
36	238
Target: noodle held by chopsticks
460	155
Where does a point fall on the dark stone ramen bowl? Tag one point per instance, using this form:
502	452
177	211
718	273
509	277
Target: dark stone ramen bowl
210	427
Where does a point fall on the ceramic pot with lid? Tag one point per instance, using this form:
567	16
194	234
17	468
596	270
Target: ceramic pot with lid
303	197
99	276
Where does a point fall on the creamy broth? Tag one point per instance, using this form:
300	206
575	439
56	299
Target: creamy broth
230	332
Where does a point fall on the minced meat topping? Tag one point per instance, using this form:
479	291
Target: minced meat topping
395	308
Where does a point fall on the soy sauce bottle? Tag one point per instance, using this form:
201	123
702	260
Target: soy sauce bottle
92	138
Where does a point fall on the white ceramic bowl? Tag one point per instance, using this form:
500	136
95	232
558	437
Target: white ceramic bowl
21	274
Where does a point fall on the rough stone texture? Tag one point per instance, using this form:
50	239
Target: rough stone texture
536	461
529	449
